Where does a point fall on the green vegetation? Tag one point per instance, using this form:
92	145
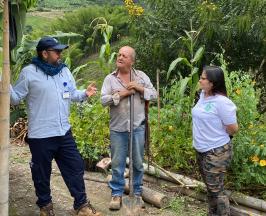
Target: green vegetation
180	206
36	22
80	22
70	4
176	37
90	127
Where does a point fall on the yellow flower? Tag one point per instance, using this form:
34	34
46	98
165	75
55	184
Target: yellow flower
133	9
253	82
238	91
250	126
170	128
255	158
261	146
262	162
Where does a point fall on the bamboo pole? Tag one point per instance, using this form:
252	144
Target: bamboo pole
4	116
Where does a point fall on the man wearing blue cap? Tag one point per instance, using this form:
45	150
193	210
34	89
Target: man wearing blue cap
48	87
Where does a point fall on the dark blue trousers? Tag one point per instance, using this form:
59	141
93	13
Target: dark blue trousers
64	150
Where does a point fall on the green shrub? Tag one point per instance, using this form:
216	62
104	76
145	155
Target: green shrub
80	20
171	143
249	161
90	127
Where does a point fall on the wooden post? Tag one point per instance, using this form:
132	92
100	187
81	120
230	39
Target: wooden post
158	97
4	116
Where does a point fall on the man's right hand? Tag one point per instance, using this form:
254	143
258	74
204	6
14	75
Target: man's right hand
126	93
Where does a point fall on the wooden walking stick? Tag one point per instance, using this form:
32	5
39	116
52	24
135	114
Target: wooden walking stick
147	134
131	204
4	116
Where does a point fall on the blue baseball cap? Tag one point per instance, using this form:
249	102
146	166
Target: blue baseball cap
50	42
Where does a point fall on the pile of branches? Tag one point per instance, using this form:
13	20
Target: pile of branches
19	131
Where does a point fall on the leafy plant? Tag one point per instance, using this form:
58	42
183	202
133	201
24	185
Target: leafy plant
249	161
90	127
84	21
106	58
190	43
171	142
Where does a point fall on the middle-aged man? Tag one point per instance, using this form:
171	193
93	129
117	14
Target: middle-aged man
116	91
48	87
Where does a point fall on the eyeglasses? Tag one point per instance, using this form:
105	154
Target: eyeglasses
203	78
54	50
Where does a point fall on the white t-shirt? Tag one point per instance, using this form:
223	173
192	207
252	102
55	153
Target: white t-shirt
209	117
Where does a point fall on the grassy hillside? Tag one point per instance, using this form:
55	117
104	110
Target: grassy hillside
38	20
69	4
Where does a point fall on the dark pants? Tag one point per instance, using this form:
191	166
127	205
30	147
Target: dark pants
213	165
64	150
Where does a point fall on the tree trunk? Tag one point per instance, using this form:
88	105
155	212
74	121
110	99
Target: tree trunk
4	116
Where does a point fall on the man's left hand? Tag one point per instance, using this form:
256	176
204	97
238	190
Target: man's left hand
91	90
137	87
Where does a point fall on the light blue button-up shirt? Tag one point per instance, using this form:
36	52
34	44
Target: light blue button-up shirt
48	100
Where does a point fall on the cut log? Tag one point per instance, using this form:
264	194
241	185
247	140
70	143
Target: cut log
187	181
235	197
95	179
153	197
246	200
104	164
236	210
169	174
148	195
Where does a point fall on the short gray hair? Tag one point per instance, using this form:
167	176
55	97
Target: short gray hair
133	55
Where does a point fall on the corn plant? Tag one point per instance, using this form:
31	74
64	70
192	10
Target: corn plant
192	61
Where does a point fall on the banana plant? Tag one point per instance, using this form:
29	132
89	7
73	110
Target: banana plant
23	54
106	57
18	9
195	55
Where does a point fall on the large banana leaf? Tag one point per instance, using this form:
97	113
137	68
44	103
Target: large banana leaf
18	10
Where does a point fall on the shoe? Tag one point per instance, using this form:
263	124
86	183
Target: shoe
87	210
115	203
140	201
47	210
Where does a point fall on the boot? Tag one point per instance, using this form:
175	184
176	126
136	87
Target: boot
115	203
47	210
87	210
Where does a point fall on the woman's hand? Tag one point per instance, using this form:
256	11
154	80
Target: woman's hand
231	129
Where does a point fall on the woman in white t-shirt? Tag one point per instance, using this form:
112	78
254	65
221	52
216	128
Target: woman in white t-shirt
214	121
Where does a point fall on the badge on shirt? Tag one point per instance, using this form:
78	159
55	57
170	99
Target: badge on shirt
208	107
66	93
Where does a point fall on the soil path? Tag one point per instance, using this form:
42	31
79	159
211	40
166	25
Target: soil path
22	196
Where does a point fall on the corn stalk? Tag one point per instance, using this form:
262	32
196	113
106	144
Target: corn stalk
192	62
4	116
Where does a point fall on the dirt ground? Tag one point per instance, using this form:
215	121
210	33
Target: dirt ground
22	196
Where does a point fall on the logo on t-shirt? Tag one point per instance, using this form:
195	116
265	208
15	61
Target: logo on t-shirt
208	107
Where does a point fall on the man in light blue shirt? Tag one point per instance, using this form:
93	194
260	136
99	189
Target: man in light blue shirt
48	87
